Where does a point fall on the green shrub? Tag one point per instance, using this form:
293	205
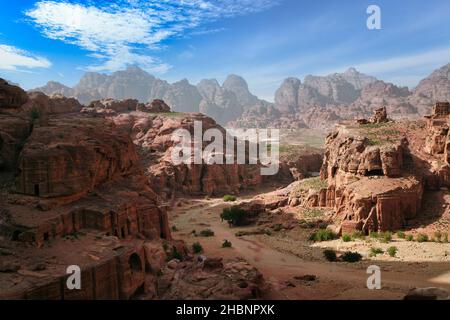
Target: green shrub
358	235
330	255
349	256
438	236
346	238
197	247
409	237
374	235
386	237
307	224
174	254
229	198
174	228
401	235
422	237
207	233
35	113
235	216
323	235
392	251
226	244
375	251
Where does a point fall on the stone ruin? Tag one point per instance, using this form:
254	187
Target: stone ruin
379	116
441	109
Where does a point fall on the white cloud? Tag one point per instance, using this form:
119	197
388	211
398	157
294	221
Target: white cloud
433	58
15	59
123	32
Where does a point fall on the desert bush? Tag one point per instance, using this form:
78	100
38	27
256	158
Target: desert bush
35	114
346	238
422	237
375	251
409	237
374	235
197	247
174	254
330	255
392	251
207	233
445	237
386	237
323	235
174	228
229	198
358	235
235	216
226	244
401	235
349	256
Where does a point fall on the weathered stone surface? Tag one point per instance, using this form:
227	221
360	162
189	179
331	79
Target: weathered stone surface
156	106
111	105
153	135
71	155
40	104
428	294
13	132
235	280
11	96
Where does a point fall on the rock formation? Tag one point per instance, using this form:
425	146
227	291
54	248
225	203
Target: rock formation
224	103
346	95
72	184
11	96
152	133
375	171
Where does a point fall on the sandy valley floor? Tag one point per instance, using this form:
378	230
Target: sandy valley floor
285	256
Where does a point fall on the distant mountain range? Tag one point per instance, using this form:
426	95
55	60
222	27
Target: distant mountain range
338	96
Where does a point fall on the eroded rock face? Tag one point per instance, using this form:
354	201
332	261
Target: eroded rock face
153	136
11	97
239	87
234	280
437	144
71	155
13	132
371	181
39	104
435	87
218	102
156	106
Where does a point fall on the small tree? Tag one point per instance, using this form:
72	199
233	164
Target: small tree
351	256
392	251
197	247
229	198
330	255
226	244
235	216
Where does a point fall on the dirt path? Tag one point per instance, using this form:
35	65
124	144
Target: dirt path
335	280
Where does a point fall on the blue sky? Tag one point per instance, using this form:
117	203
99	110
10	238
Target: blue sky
265	41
